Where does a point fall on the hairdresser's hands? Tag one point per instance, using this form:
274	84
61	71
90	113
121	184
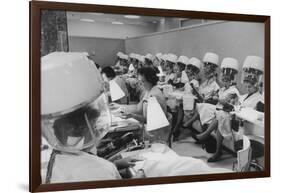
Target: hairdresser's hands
140	174
114	106
126	162
125	115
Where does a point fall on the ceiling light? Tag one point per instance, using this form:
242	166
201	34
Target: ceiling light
132	16
117	23
154	22
87	20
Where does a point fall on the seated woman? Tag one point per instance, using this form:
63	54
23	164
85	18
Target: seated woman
209	88
73	120
148	77
253	65
192	70
124	63
251	100
207	91
170	75
181	65
180	76
108	74
121	65
190	88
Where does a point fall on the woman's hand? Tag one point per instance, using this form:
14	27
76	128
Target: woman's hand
126	162
215	97
140	174
222	101
114	105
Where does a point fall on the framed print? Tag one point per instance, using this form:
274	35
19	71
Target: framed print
125	96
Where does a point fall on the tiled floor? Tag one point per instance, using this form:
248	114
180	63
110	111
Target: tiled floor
186	147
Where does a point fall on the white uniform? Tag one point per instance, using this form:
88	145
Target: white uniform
224	118
224	93
82	167
184	77
208	87
207	111
251	101
169	163
188	88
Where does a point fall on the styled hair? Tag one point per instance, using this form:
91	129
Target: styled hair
109	72
193	69
212	66
252	79
150	74
229	77
181	66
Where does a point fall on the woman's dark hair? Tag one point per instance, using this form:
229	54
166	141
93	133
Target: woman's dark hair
150	74
229	77
193	69
252	79
109	72
181	66
156	69
212	66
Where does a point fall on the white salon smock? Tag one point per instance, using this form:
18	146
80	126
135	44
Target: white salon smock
207	111
184	78
188	89
208	87
251	101
82	167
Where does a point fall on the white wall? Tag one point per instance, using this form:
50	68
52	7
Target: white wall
106	30
227	39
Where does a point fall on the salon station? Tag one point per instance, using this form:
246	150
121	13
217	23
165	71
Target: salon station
127	96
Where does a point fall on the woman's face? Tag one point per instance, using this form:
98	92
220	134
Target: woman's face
207	68
208	71
147	85
226	83
176	68
251	88
188	71
169	69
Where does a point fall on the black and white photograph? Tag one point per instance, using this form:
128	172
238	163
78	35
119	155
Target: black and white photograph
127	96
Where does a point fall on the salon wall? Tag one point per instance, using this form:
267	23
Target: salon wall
227	39
107	30
105	49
